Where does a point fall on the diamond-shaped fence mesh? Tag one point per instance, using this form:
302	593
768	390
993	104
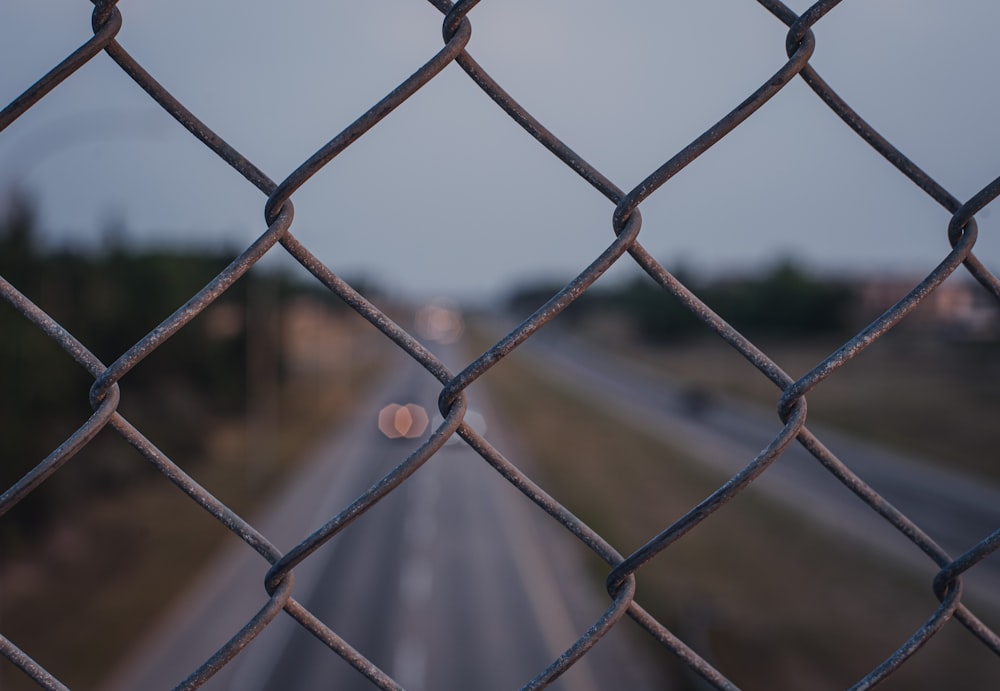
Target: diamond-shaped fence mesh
277	567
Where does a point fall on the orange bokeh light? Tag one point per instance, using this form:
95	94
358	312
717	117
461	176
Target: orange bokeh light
396	421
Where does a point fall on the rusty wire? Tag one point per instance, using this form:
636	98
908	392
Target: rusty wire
623	242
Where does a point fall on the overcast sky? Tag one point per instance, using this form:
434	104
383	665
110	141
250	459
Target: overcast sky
447	195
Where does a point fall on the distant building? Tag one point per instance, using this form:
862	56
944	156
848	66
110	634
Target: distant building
959	308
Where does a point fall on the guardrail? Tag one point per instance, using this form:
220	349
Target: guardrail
623	247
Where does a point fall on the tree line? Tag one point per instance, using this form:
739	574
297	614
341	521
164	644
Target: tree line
109	298
781	302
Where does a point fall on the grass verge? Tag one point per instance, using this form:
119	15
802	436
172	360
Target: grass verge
110	566
771	601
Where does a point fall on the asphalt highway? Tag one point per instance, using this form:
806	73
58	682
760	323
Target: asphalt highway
456	581
453	581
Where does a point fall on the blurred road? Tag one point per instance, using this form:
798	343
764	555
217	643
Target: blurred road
956	511
457	581
454	581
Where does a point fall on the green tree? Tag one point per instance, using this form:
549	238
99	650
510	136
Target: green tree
109	300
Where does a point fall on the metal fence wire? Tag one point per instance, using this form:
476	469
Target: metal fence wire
625	247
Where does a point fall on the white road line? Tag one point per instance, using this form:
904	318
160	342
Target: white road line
546	596
416	582
409	664
252	671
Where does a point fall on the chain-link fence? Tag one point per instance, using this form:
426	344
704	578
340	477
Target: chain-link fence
625	247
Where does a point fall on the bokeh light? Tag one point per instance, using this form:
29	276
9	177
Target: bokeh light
402	421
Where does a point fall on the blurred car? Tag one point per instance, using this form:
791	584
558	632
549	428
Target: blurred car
472	418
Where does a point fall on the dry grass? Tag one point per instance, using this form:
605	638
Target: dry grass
111	565
774	603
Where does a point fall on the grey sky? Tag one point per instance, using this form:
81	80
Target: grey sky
447	195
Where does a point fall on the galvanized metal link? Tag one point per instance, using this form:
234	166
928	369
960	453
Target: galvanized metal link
625	223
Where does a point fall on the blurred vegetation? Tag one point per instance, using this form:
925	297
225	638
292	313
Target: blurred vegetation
783	302
109	299
236	399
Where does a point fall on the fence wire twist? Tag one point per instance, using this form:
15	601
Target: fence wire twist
626	224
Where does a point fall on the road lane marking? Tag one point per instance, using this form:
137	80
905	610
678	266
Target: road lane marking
416	582
409	664
343	468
